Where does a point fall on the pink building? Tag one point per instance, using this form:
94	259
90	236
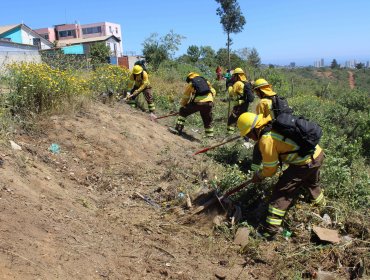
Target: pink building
82	31
101	29
47	33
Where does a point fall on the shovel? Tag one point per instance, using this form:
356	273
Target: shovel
215	146
155	118
219	199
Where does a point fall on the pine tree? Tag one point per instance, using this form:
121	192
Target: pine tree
334	64
231	19
253	58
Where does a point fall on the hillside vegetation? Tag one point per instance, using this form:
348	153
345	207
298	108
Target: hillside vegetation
79	213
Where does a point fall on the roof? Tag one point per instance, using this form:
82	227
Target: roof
63	43
13	44
6	28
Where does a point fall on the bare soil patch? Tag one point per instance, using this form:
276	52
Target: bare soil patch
75	215
351	80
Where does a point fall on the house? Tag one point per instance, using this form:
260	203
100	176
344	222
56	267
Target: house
82	46
22	34
66	32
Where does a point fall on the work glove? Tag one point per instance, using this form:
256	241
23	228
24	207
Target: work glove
128	96
256	178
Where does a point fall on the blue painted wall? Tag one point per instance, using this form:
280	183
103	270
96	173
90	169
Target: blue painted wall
113	60
75	49
15	35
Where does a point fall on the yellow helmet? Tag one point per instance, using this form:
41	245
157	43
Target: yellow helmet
190	76
246	122
264	86
137	69
240	73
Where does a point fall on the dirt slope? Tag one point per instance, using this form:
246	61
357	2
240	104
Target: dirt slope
351	80
74	215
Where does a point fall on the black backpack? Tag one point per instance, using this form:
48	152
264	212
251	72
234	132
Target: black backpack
142	64
304	133
248	95
280	105
200	85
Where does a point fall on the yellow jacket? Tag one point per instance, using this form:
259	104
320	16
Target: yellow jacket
141	81
264	107
236	92
272	145
190	92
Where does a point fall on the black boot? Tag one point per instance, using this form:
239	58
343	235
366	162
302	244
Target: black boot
179	128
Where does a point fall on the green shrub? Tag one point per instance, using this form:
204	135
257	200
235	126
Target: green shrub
37	88
107	78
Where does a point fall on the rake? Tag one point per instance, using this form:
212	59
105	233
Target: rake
153	117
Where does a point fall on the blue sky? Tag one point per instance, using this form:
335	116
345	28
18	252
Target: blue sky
282	31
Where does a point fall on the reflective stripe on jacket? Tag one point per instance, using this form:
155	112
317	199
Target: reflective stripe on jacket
272	144
190	92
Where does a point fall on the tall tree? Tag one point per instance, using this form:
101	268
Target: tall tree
156	50
253	58
222	58
207	56
231	19
359	65
99	53
193	52
334	64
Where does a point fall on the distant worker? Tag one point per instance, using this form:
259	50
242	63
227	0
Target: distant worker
241	94
198	96
141	84
219	73
228	80
303	171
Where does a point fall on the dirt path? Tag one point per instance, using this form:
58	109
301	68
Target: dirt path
74	215
351	80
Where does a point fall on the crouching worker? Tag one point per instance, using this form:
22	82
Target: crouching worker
198	97
141	84
302	171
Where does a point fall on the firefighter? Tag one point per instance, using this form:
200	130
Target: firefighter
264	91
302	171
198	97
241	93
218	73
141	84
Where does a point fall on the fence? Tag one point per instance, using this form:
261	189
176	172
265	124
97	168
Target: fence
7	57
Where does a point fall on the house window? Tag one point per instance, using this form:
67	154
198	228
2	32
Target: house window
115	49
91	30
37	42
46	36
116	30
67	33
110	29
